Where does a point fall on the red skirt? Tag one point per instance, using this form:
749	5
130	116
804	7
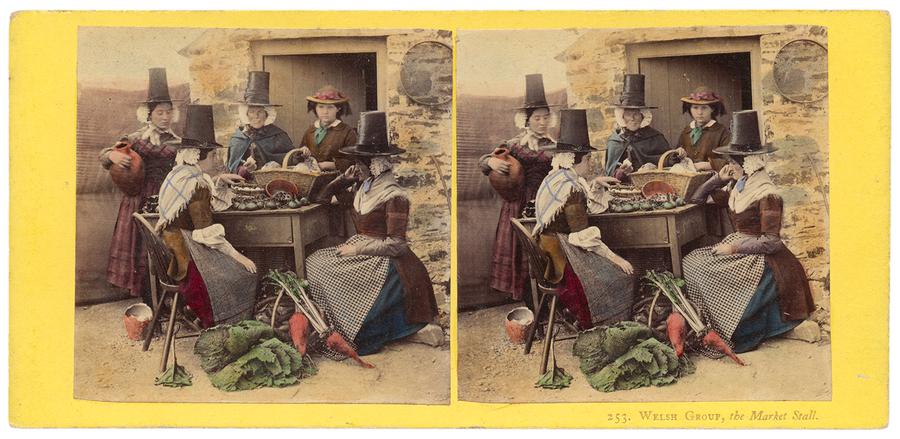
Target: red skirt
196	296
572	296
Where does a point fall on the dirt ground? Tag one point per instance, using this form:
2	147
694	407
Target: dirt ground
111	367
491	369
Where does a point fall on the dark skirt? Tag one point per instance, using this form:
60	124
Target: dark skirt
386	320
762	317
509	266
127	266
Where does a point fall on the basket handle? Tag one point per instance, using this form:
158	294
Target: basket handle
287	158
662	159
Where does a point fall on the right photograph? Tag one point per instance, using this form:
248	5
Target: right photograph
643	215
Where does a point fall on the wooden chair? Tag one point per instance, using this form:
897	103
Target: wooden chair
541	290
158	261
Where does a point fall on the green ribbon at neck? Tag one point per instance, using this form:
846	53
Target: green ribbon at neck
320	134
696	132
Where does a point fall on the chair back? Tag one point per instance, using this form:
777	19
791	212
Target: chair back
159	254
537	259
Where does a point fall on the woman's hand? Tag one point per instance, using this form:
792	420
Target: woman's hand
231	179
623	264
625	168
498	165
250	164
353	173
723	250
728	172
120	159
304	152
606	181
680	153
246	262
346	250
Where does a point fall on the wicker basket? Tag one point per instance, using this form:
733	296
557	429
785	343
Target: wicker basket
306	183
685	183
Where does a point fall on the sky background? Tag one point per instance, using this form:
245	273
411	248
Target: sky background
121	57
495	62
489	63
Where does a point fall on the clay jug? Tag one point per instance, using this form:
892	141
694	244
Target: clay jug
130	180
510	185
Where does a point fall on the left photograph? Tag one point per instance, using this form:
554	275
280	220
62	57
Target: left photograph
263	215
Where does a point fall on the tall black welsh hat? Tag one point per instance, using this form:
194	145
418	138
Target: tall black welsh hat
534	93
257	92
199	129
745	138
633	93
573	133
373	137
158	87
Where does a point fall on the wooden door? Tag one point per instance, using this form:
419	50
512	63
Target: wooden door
294	77
668	79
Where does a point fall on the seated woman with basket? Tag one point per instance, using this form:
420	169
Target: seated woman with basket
372	288
257	141
584	267
749	287
633	143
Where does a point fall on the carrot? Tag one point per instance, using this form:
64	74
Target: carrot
336	342
299	329
712	339
676	329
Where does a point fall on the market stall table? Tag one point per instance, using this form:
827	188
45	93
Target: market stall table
294	228
669	228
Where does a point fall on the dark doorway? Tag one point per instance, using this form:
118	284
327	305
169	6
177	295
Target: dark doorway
671	78
294	77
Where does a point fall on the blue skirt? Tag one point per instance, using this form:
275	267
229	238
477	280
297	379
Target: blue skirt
386	321
762	317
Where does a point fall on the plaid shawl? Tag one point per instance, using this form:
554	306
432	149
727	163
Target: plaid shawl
555	190
552	196
177	189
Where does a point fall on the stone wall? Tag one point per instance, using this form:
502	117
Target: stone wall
220	59
596	64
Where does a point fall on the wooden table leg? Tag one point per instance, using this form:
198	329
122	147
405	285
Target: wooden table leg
674	246
299	251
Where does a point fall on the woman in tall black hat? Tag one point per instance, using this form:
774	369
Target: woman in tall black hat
372	288
203	261
257	141
580	262
749	287
328	134
704	133
522	159
127	267
633	142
